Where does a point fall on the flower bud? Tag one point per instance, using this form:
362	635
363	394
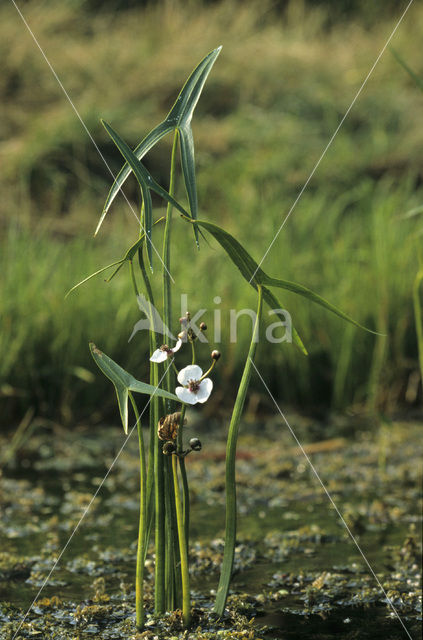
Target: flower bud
182	336
215	354
191	335
169	448
195	444
183	321
203	326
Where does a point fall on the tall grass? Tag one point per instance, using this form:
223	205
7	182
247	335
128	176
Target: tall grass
285	83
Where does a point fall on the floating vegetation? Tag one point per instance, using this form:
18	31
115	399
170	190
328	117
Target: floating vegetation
297	572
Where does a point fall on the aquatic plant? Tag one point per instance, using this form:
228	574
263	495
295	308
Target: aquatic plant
164	491
418	317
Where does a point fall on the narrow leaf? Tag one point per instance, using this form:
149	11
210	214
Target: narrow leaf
183	109
313	297
146	182
274	303
125	382
188	170
145	145
110	278
143	176
248	267
96	273
255	275
179	116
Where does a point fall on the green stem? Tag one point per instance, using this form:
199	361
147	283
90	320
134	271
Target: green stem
418	317
167	289
142	529
185	490
173	576
155	463
185	487
149	508
179	438
230	529
170	535
186	598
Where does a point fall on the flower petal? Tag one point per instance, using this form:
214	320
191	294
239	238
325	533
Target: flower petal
177	346
205	390
191	372
158	356
185	395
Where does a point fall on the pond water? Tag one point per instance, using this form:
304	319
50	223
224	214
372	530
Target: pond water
298	573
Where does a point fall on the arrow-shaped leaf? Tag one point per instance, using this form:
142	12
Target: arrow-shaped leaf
248	268
129	255
179	117
96	273
146	182
274	303
125	382
255	275
149	141
314	297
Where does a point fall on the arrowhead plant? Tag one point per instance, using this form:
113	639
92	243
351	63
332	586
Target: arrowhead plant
164	491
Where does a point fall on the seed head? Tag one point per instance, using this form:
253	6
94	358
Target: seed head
195	444
169	448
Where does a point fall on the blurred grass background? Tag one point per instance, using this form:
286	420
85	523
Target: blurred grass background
285	77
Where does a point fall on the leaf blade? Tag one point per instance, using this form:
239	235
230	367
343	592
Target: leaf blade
188	172
96	273
124	382
179	116
274	303
305	292
183	108
162	129
146	183
248	268
252	272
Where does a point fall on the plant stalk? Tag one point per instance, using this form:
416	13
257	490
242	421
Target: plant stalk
173	573
156	463
186	596
142	537
418	318
185	487
231	512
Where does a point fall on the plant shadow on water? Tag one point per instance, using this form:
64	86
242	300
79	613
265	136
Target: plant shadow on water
297	572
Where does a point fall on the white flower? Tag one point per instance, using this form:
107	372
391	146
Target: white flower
162	354
194	389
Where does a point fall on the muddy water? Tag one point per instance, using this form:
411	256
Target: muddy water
298	572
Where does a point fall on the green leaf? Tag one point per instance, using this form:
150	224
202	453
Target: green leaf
255	275
188	171
274	303
314	297
248	268
183	110
96	273
129	255
149	141
179	117
125	382
146	182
